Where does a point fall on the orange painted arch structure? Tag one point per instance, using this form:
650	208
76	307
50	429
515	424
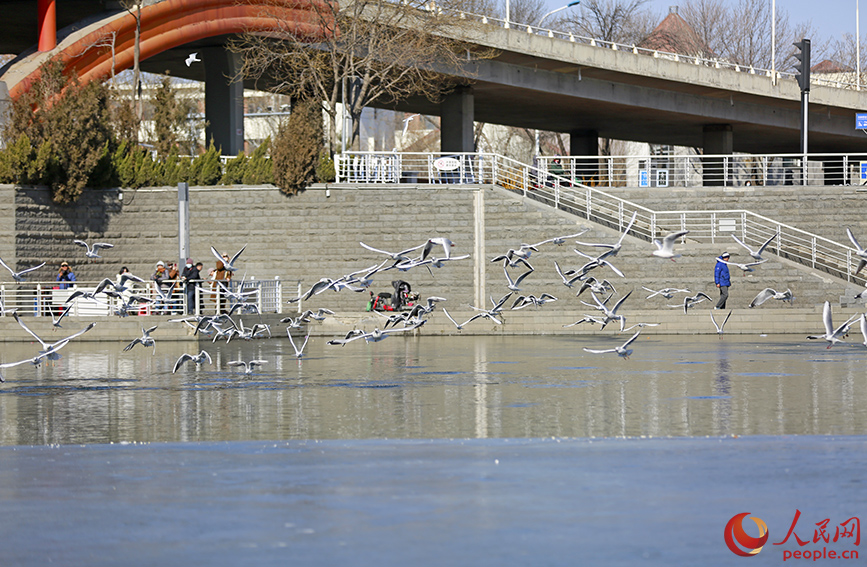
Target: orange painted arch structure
172	23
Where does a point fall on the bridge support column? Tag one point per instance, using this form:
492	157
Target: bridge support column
456	125
584	143
717	139
224	100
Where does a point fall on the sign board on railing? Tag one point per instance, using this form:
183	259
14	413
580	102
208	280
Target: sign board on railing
863	172
861	121
447	164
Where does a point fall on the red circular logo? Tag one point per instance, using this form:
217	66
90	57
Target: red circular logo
746	545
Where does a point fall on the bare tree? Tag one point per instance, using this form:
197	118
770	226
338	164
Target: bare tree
381	51
621	21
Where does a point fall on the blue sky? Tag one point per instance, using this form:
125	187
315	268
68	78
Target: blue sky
830	17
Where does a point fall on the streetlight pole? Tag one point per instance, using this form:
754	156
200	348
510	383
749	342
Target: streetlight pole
774	42
538	25
858	44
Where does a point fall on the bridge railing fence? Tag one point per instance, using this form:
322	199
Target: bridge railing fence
837	80
564	192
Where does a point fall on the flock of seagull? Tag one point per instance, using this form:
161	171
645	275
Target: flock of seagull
601	291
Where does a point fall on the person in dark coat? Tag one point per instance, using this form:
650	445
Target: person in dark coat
722	279
190	277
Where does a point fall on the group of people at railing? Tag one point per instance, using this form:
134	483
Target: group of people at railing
169	291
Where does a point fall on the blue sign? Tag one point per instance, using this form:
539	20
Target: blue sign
864	170
644	178
861	121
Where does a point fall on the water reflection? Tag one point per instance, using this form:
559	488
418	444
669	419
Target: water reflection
436	387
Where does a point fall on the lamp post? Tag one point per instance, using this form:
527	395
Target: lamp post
575	3
774	42
858	46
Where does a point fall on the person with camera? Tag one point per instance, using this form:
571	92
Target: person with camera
65	275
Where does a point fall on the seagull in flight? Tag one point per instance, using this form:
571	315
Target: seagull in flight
248	366
860	252
19	276
832	335
561	240
667	292
665	248
396	256
863	322
192	58
229	265
621	350
719	328
513	285
610	314
50	349
694	300
769	293
746	267
93	251
569	277
299	352
613	249
756	254
198	359
144	340
438	241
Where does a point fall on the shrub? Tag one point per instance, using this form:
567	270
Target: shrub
296	149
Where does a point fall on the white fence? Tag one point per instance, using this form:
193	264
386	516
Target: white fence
597	205
44	299
836	80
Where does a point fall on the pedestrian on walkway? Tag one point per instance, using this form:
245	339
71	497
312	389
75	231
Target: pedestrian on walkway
722	279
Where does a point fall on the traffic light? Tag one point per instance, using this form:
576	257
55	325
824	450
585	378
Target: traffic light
803	65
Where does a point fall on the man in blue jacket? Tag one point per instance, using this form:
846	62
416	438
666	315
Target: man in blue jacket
722	279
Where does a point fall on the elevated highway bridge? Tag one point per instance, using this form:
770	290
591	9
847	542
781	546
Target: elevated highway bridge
538	79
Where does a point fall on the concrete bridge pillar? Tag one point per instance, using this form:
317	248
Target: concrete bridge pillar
224	100
456	124
584	143
717	139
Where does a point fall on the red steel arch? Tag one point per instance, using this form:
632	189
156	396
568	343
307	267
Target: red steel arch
172	23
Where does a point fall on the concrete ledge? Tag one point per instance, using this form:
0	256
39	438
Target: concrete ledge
544	321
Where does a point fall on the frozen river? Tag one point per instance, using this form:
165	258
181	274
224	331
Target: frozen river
430	451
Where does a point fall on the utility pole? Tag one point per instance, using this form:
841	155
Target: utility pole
803	76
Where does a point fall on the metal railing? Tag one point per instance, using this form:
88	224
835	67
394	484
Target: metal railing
599	206
44	299
734	170
839	80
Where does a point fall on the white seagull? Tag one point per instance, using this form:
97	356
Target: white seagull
50	349
192	58
665	248
144	340
438	241
568	277
610	314
561	240
756	254
860	252
832	335
613	249
513	285
93	251
621	350
198	359
720	328
248	366
691	301
864	329
396	256
746	267
229	265
298	351
667	292
19	276
769	293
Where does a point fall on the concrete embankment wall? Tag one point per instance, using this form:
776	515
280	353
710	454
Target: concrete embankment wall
315	234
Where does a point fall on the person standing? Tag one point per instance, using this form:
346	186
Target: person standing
722	279
190	277
160	278
65	275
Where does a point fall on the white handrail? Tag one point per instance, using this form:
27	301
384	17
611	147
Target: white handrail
604	208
